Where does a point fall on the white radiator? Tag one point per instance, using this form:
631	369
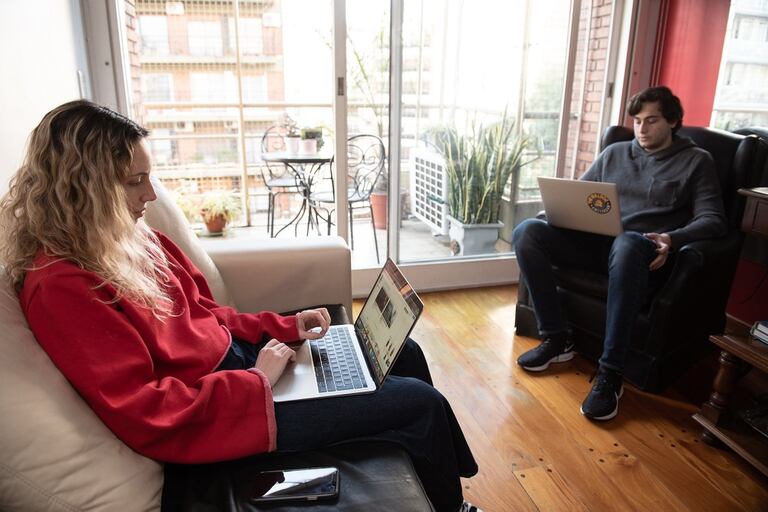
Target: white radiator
429	181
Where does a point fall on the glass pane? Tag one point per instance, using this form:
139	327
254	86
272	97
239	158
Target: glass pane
368	122
482	83
587	95
210	77
741	99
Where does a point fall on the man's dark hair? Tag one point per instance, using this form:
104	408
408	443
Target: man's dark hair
671	108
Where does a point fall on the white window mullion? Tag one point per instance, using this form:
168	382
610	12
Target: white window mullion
340	114
395	116
108	54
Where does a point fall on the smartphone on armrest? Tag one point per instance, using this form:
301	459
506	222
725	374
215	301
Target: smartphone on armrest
308	484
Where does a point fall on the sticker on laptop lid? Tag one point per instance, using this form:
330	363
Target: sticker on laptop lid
599	203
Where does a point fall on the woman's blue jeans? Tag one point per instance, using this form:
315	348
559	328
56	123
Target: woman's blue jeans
406	410
625	259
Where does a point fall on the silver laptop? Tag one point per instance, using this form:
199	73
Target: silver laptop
353	359
589	206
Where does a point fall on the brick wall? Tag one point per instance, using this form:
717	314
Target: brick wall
589	82
132	40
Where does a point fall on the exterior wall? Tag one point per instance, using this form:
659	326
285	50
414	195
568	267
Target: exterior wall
589	110
132	41
179	64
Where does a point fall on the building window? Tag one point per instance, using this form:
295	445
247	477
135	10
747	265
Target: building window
216	151
254	89
253	150
743	74
153	31
750	28
250	36
157	87
213	87
205	38
161	146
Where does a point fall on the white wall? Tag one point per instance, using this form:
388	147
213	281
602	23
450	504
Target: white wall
41	51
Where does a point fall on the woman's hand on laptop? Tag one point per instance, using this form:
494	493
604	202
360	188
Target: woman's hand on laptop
312	323
273	359
663	245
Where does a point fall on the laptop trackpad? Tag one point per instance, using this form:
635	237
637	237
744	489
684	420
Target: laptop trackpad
298	377
303	363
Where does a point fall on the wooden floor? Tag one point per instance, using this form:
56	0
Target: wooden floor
535	449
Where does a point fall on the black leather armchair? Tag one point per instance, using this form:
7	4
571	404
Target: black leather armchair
761	133
678	317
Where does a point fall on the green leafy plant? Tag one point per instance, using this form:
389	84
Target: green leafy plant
478	165
219	203
313	133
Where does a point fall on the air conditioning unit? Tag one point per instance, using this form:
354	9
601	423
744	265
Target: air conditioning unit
185	127
429	189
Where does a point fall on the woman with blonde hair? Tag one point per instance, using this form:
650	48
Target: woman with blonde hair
132	324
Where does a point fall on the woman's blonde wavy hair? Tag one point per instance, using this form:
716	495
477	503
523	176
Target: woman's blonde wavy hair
68	200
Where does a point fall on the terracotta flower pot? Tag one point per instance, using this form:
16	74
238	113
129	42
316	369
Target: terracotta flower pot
379	205
215	224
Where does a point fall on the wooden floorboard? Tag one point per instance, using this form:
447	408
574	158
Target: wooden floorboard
536	451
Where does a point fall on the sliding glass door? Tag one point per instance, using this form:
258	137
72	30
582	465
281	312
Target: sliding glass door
471	101
488	95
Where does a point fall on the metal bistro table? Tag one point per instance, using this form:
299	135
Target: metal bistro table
306	169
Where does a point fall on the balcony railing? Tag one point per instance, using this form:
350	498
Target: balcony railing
211	170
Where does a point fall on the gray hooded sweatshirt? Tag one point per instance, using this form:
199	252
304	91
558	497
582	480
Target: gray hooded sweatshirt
674	191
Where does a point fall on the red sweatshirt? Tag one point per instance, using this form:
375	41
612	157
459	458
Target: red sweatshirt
151	381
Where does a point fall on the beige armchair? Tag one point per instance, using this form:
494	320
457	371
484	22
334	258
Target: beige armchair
57	454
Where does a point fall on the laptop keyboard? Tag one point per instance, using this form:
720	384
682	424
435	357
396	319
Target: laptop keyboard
336	366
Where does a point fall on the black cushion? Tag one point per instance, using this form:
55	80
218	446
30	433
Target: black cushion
374	476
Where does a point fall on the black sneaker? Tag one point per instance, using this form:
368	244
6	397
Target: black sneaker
468	507
602	403
550	351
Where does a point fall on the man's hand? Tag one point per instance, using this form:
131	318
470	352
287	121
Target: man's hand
663	245
316	319
273	359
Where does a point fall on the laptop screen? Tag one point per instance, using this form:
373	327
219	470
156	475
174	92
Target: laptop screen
386	320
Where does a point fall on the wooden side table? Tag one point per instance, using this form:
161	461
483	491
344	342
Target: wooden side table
715	417
738	352
755	218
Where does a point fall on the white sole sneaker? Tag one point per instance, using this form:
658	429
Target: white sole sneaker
609	416
562	358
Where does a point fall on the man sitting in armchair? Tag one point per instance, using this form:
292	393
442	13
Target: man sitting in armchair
669	195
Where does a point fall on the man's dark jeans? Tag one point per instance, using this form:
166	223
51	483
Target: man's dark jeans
625	259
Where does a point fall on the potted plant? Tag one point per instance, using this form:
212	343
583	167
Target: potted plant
217	209
311	140
292	136
478	165
379	201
